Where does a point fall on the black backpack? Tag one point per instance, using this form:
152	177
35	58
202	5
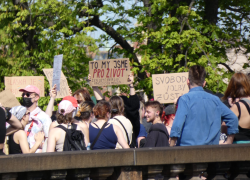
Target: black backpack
74	139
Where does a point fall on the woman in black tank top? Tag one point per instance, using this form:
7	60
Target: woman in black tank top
239	90
18	142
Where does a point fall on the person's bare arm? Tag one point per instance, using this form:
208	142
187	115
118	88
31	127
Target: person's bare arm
85	130
131	85
51	141
120	137
52	125
173	141
50	106
15	123
10	130
230	139
96	90
22	139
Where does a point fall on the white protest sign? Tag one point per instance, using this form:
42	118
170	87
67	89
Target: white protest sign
168	87
57	67
109	72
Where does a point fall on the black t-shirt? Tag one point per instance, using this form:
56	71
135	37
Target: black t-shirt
158	136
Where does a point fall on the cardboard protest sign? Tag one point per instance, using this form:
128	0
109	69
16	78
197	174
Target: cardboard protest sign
64	89
7	99
19	82
168	87
109	72
57	68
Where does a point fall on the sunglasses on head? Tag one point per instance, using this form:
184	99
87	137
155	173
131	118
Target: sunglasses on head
27	94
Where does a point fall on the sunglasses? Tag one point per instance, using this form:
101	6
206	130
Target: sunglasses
27	94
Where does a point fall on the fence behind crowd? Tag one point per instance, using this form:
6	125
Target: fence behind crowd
193	162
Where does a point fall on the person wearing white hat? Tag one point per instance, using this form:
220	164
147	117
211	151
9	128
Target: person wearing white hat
64	118
18	142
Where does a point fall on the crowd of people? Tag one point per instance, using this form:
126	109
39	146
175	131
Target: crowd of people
196	118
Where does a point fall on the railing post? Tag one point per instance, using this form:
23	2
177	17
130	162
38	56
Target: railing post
174	171
127	173
58	174
78	174
9	176
101	173
152	173
218	171
239	170
198	171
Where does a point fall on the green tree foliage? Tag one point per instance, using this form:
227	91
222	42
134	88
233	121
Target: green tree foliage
174	35
170	36
33	32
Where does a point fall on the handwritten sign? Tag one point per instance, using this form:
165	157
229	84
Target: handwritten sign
7	99
57	68
168	87
64	90
19	82
109	72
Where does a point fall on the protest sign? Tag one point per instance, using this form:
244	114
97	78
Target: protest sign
168	87
109	72
7	99
64	89
57	68
19	82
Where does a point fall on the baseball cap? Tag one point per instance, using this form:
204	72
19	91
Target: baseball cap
67	106
72	100
31	88
169	109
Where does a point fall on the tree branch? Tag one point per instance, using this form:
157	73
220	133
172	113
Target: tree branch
224	64
235	10
186	18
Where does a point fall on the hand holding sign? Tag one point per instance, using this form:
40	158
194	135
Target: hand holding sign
53	92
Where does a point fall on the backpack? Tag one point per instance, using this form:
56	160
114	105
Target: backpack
74	139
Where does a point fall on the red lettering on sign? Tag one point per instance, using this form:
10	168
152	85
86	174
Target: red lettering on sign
122	71
118	71
114	72
102	73
107	76
95	71
98	72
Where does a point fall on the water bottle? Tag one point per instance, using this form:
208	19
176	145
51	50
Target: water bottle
88	146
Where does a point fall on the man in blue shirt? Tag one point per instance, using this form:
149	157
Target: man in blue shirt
199	115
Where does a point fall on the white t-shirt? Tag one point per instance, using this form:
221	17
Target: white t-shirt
128	126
